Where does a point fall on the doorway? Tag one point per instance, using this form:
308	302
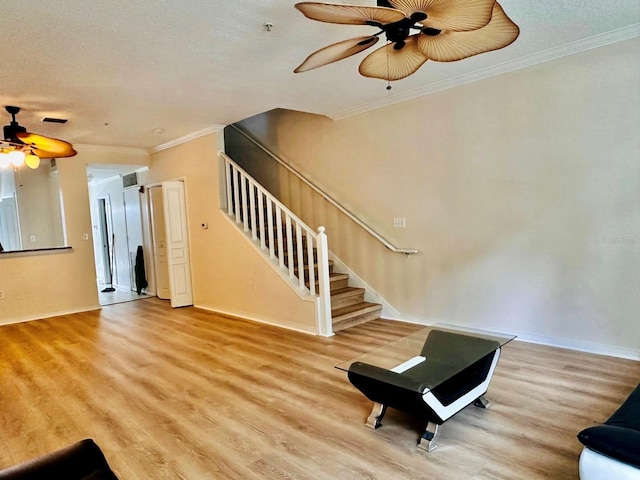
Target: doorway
116	216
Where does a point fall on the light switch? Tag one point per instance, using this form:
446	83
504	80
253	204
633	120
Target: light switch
399	222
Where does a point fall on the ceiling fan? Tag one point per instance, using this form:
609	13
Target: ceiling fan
415	30
20	146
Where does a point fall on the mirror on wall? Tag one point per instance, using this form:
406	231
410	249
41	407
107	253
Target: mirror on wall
30	209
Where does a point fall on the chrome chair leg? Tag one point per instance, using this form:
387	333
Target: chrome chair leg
428	438
375	417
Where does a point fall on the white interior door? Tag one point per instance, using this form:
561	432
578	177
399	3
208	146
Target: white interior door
159	244
175	216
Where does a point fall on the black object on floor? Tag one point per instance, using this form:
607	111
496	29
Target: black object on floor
80	461
141	279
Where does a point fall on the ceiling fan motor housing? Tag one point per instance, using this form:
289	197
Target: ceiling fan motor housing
11	131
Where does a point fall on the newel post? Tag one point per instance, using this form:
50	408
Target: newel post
324	325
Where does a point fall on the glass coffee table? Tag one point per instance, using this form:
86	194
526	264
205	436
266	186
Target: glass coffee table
433	373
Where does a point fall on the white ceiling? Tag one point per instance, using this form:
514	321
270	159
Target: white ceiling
118	69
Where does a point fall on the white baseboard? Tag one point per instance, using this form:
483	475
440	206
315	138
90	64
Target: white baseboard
582	346
257	319
569	344
49	315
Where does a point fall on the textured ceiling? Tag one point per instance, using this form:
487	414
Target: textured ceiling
118	69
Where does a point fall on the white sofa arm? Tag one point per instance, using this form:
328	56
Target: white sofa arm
595	466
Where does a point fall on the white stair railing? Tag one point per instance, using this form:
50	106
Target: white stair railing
300	254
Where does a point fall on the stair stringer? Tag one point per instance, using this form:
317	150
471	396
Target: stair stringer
370	295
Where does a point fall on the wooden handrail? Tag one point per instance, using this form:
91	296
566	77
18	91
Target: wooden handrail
326	196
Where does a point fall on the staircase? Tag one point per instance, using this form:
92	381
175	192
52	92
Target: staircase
287	242
348	306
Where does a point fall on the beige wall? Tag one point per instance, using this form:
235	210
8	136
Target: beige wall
522	193
228	275
42	285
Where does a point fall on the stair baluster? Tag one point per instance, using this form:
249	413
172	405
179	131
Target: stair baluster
298	251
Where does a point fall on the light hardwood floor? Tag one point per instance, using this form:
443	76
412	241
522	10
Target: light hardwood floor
186	394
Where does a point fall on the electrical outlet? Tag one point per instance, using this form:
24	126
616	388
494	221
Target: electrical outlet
32	238
399	222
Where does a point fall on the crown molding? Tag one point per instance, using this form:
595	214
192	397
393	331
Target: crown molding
81	147
572	48
187	138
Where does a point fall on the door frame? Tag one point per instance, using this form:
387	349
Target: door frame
127	220
11	226
105	228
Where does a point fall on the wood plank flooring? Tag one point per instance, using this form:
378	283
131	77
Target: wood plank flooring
186	394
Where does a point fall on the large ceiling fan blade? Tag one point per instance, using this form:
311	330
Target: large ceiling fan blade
348	14
43	154
387	63
456	15
335	52
452	46
49	147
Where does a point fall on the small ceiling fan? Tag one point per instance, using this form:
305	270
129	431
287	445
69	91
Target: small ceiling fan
18	141
415	30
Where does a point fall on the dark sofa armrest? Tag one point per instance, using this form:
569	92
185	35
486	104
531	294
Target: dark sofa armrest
81	461
628	414
619	443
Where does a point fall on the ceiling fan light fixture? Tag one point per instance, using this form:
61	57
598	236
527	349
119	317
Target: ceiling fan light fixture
32	160
16	158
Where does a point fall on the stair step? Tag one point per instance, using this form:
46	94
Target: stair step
315	268
352	315
338	280
343	297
